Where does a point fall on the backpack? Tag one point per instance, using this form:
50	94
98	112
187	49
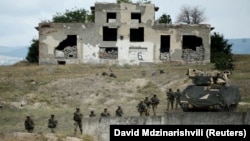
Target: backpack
156	101
29	124
77	117
52	123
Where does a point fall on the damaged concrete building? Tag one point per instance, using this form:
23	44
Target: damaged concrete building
124	33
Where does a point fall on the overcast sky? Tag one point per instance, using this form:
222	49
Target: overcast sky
19	17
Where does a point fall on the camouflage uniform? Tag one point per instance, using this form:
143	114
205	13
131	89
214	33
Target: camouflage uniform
170	98
92	114
154	101
148	103
119	112
141	107
52	123
105	113
78	120
29	124
177	98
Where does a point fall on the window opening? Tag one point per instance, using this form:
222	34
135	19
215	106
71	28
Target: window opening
109	34
137	35
108	53
61	62
136	16
191	42
193	49
67	48
111	17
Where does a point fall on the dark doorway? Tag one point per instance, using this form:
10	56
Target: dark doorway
165	43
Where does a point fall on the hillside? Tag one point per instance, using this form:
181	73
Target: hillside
39	91
240	46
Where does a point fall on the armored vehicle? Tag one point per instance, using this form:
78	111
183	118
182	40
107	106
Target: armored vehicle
209	92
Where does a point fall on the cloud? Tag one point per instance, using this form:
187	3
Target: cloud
19	17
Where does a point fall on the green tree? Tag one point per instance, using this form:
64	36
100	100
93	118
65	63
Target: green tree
221	52
165	19
69	16
33	54
125	1
144	1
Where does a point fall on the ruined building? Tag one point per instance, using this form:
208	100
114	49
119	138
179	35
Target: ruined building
123	33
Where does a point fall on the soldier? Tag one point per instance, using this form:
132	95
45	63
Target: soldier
119	112
78	120
177	98
52	123
155	101
170	98
141	107
92	114
29	124
148	103
105	113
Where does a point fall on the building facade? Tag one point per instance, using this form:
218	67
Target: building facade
124	33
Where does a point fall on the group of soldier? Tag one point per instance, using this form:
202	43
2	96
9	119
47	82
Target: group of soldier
173	100
52	122
106	113
173	97
144	108
30	125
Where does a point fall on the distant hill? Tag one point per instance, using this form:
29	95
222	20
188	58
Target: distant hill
12	55
240	46
8	60
20	52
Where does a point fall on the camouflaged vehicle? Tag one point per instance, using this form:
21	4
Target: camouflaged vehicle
209	92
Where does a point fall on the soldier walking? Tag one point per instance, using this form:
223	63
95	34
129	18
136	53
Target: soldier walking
29	124
177	98
170	98
78	120
52	123
119	112
155	101
141	107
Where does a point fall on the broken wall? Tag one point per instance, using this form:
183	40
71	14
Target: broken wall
178	50
59	43
131	23
99	128
122	34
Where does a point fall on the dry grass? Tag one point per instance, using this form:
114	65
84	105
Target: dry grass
28	89
242	67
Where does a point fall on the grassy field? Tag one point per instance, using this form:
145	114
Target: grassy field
29	89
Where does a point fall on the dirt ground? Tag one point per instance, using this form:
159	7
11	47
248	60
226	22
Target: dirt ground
42	90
